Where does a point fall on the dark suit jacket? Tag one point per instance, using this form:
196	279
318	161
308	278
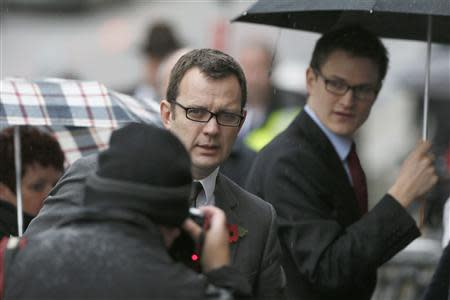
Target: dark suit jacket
256	255
330	251
439	288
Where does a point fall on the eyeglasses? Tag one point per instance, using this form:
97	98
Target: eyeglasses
202	115
340	88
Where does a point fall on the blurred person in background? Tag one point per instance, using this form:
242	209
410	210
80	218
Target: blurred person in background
332	244
42	165
290	92
256	59
160	41
116	247
271	106
166	66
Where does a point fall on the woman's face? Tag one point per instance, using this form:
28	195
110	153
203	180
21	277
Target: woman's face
36	184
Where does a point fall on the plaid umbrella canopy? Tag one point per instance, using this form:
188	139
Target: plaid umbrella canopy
80	114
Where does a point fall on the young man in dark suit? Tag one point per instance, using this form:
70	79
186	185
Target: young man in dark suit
332	246
204	108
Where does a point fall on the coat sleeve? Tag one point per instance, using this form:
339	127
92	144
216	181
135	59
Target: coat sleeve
330	256
65	197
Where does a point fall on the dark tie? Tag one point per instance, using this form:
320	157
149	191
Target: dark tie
358	178
195	190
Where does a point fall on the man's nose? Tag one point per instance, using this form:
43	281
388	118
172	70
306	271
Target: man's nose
348	98
212	127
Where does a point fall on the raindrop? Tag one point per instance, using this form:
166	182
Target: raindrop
371	11
244	13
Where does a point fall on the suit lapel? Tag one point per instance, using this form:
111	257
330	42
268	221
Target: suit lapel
338	178
227	201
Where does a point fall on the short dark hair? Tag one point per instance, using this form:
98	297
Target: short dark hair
355	40
160	41
212	63
36	147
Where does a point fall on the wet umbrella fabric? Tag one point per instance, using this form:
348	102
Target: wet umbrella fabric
386	18
80	114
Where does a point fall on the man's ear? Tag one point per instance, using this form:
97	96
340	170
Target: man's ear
165	109
6	194
244	114
311	79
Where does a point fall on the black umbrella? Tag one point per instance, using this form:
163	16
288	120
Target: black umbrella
403	19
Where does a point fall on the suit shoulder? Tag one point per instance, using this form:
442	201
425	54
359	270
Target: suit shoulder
87	163
247	200
286	149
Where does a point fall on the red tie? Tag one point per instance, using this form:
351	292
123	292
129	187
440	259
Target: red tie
358	178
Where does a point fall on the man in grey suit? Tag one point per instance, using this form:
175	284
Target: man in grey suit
204	108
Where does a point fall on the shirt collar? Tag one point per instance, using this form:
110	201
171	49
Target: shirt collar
209	185
341	144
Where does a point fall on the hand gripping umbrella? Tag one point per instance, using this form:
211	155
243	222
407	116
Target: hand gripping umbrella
81	115
427	20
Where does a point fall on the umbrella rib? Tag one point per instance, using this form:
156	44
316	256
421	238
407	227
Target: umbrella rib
108	107
88	109
19	99
42	106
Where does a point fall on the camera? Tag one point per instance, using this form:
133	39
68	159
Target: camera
184	249
197	216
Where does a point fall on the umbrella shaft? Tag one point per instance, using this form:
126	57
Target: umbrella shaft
427	81
18	165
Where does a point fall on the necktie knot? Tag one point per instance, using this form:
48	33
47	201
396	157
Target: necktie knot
358	179
195	191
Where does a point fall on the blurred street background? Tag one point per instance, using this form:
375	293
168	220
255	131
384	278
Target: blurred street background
101	40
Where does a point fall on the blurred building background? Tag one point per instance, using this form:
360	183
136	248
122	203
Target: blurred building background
101	40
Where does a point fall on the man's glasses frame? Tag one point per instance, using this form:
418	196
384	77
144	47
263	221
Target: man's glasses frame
340	88
202	115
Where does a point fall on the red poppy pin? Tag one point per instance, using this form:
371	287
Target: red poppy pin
235	232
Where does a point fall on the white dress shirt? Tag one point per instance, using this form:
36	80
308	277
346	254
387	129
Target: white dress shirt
206	196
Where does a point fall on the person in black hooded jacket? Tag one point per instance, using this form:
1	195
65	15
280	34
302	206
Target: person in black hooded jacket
116	247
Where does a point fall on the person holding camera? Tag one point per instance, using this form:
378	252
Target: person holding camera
117	245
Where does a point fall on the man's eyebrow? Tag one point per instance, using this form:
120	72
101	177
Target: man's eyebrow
337	78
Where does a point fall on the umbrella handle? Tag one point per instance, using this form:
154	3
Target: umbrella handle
18	165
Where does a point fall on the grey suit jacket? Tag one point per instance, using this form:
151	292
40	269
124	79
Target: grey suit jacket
256	254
